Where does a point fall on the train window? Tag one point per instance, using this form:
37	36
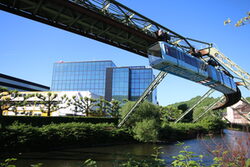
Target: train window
173	52
190	60
155	50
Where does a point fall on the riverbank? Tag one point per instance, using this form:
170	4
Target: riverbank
106	156
18	137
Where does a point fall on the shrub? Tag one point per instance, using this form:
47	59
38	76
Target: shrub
146	130
40	121
22	137
146	110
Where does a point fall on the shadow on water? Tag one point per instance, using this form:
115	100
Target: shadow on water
106	155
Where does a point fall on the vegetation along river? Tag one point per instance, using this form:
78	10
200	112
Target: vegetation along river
106	155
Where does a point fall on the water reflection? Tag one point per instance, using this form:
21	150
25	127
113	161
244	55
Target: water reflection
106	155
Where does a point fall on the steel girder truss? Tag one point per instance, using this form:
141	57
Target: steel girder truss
225	61
104	20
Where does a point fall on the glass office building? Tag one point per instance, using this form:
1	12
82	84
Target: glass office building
104	79
80	76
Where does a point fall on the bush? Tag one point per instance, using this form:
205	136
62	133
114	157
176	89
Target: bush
22	137
40	121
181	131
146	110
146	130
213	125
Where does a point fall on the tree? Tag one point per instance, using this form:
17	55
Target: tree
102	107
144	122
170	113
189	116
114	108
146	130
6	97
145	110
21	101
83	104
243	21
50	102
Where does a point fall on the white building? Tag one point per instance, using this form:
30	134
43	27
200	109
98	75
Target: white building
33	107
235	112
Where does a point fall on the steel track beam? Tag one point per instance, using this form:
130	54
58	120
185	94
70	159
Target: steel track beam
140	28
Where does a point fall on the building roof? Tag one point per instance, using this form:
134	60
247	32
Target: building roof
21	81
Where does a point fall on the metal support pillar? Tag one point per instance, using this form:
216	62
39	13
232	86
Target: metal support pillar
242	74
210	91
145	94
209	108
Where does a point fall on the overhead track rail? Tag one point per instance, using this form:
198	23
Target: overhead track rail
106	21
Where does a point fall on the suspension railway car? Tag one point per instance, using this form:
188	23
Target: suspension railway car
168	58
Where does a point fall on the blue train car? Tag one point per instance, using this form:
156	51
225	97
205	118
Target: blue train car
168	58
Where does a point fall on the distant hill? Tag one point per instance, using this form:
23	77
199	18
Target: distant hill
184	105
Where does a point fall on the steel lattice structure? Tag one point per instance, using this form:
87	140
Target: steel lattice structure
103	20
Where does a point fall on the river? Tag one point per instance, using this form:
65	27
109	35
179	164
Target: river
106	155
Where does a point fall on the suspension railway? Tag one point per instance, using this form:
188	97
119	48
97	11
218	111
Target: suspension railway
110	22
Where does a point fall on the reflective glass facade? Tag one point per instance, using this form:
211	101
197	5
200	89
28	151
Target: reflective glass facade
120	83
140	80
103	78
80	76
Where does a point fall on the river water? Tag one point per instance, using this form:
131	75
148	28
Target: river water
106	155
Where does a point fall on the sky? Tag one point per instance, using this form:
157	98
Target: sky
28	49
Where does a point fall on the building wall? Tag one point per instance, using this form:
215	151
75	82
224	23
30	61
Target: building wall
140	79
104	79
33	107
234	117
80	76
120	84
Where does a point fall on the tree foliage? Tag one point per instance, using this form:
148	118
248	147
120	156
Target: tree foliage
114	108
146	130
145	110
243	21
6	97
83	104
50	102
170	113
22	102
102	107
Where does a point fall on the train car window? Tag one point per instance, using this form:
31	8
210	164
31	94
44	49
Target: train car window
155	50
202	66
173	52
190	61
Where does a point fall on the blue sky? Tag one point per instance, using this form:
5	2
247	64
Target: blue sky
28	49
